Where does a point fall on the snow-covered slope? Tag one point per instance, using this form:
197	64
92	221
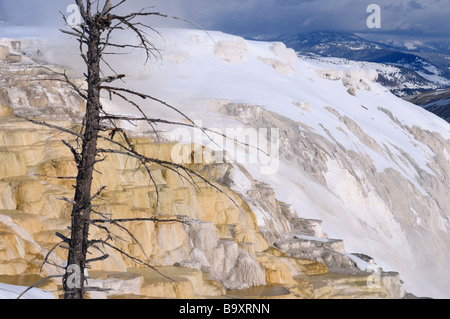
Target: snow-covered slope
398	79
12	292
373	167
423	66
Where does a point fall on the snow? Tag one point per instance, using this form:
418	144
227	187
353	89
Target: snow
447	155
13	292
242	75
197	72
249	79
390	72
361	264
413	45
418	219
318	239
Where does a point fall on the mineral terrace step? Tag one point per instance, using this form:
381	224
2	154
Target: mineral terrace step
302	242
308	227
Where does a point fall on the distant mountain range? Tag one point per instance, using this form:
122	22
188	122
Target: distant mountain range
420	67
437	102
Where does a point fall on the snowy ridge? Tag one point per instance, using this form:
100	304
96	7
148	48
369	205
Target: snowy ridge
416	67
397	79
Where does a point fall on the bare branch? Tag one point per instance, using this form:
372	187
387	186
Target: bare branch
76	155
97	289
38	283
128	220
101	258
65	79
96	195
110	79
48	255
82	10
132	119
115	6
133	15
70	201
114	90
64	238
75	34
56	127
57	177
170	165
137	260
106	8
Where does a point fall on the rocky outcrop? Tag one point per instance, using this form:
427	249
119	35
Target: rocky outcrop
353	80
231	51
214	248
231	263
283	60
32	90
214	237
4	52
6	56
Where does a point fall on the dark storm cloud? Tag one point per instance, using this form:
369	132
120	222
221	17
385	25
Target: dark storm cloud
292	16
32	12
421	17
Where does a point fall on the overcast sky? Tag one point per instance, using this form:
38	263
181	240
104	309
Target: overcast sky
416	18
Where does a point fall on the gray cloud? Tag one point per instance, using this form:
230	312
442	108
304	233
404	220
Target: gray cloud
412	17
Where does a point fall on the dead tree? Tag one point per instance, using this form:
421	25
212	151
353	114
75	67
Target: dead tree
95	38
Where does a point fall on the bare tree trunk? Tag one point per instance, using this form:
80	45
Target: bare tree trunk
94	36
81	211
